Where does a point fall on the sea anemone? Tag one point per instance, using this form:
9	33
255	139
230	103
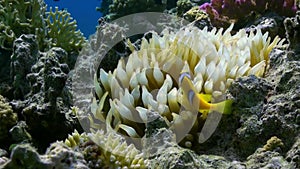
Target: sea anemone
147	80
116	153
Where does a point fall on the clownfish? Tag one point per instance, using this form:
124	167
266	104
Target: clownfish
194	101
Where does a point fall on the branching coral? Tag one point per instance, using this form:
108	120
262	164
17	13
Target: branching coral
147	82
30	17
224	12
21	16
62	31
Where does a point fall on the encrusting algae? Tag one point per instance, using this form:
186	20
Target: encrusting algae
149	79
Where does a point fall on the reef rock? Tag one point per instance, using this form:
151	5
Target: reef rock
293	155
292	26
25	55
64	157
24	156
19	133
46	111
58	155
46	106
7	120
271	108
264	110
222	13
266	159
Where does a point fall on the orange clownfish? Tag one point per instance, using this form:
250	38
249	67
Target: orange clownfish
194	101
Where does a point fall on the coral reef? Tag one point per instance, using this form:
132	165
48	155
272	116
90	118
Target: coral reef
62	31
223	13
52	29
19	17
104	7
58	155
48	102
141	114
254	91
100	44
198	17
264	115
62	156
109	8
253	120
274	111
5	86
110	33
182	6
266	159
75	139
120	8
169	155
113	151
292	26
269	22
30	160
106	150
161	147
7	119
46	107
165	153
293	154
273	143
282	105
25	55
146	83
16	18
240	133
19	133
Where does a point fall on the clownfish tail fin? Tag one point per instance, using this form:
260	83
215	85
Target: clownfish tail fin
224	107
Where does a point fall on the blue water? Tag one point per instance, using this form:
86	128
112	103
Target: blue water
84	11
